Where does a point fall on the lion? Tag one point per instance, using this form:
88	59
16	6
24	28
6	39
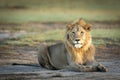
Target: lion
76	53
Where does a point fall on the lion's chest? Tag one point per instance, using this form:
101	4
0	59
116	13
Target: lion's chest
79	57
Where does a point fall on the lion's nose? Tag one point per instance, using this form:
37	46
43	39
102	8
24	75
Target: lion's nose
77	39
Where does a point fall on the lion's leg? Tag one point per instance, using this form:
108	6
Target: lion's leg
79	68
87	68
43	57
96	66
82	68
99	67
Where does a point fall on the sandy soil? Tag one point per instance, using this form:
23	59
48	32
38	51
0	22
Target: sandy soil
109	56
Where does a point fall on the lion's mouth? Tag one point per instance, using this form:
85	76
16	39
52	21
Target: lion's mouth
77	44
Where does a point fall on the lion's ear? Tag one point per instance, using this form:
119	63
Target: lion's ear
81	22
69	27
88	27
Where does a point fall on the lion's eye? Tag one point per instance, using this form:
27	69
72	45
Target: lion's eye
82	32
73	32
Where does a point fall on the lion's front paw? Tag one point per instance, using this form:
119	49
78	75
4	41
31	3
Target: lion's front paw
102	68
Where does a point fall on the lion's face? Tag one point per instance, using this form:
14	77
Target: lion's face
77	34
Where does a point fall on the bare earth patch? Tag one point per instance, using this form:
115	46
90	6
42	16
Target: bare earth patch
109	56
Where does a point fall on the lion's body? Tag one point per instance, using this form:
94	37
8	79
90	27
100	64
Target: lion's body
57	55
76	53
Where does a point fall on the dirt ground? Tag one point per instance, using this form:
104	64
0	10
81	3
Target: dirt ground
108	55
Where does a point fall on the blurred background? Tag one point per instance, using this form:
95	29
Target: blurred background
24	24
21	11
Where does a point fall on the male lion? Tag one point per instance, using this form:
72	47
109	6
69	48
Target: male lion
76	53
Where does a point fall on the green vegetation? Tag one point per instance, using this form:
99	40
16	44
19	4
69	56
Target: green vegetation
106	36
21	11
107	33
27	11
31	39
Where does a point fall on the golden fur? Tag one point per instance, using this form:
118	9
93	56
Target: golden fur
86	52
77	53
